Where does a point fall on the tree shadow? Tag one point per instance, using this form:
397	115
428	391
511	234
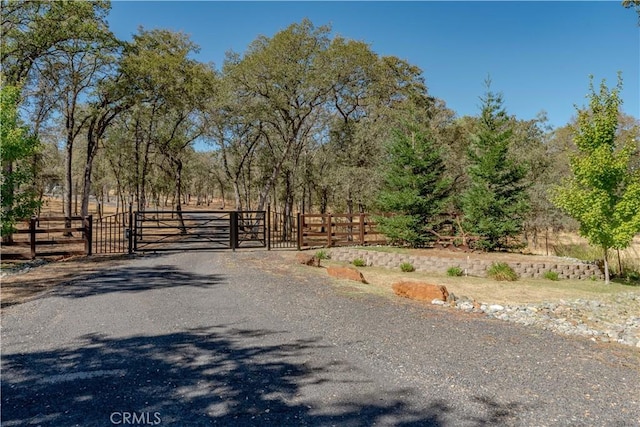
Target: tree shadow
209	376
135	279
97	281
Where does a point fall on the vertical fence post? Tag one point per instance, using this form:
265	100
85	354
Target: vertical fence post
32	236
329	219
135	231
361	229
131	231
300	225
233	230
268	226
88	234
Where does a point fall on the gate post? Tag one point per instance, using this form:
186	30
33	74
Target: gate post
299	231
268	225
135	230
88	234
233	230
32	236
130	231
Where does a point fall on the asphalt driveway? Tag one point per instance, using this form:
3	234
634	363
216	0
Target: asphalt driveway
197	339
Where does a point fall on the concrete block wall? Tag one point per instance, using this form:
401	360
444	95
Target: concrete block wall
473	267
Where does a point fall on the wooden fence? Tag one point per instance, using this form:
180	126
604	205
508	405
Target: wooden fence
337	230
60	234
80	236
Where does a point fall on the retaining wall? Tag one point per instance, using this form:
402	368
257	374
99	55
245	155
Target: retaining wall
472	267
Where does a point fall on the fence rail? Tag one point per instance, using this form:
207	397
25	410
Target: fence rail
337	230
56	233
190	230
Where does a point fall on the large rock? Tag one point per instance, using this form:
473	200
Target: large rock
420	291
308	259
346	273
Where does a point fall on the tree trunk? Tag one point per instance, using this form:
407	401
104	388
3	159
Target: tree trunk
68	187
178	195
236	194
86	187
606	266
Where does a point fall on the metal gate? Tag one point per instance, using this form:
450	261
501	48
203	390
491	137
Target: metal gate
283	230
111	234
156	231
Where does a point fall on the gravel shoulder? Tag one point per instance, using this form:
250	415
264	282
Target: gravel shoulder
252	339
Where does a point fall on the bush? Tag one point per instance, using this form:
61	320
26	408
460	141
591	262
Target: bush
322	254
359	262
551	275
407	267
501	271
454	271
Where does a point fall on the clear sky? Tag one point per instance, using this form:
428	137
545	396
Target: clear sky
538	54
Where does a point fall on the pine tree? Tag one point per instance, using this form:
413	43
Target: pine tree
495	203
415	189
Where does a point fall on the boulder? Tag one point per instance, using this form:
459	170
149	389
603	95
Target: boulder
346	273
308	259
420	291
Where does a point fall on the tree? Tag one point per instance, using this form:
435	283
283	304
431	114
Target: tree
286	81
415	189
19	199
495	203
603	194
633	3
32	30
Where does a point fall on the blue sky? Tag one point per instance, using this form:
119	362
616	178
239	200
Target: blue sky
538	54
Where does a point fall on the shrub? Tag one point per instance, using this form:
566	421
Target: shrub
502	271
322	254
407	267
359	262
454	271
551	275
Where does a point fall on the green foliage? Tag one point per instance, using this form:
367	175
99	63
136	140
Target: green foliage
501	271
322	254
19	200
603	194
407	267
359	262
551	275
455	272
415	189
496	201
32	30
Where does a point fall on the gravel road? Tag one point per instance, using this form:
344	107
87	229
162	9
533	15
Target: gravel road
197	339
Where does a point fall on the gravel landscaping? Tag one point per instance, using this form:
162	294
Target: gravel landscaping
608	322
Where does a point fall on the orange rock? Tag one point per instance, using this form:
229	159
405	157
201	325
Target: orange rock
346	273
420	291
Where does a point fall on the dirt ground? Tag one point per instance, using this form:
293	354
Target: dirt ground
31	282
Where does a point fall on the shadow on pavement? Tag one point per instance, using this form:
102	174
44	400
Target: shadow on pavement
135	279
209	376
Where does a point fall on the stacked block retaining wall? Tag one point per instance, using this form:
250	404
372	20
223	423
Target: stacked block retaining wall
472	267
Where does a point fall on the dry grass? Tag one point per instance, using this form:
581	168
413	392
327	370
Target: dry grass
486	290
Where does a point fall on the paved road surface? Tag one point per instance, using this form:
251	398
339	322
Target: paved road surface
212	339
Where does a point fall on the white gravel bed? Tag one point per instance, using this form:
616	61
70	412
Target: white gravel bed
617	321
